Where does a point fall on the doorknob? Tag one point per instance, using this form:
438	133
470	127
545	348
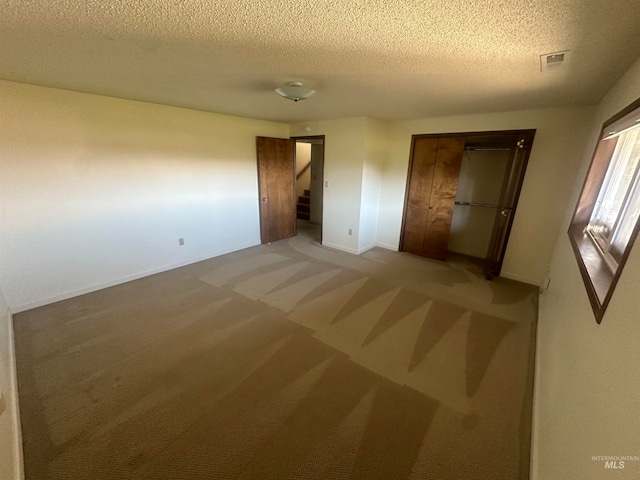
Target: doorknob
504	212
264	199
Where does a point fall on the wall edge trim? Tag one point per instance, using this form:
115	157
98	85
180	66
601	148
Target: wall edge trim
14	402
365	248
387	246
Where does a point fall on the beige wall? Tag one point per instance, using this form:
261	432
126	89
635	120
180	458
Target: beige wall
355	153
97	190
372	170
10	445
557	150
587	391
345	150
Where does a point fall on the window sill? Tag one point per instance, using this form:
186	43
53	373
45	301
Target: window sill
596	275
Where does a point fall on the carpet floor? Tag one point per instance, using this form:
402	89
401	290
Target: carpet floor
283	361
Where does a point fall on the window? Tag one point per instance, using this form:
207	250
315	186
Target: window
605	223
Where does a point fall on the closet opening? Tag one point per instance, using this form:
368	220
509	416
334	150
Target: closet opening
462	194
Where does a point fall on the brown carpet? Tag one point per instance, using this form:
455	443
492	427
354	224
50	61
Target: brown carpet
283	361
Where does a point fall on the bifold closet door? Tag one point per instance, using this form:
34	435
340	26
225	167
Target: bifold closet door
421	170
433	181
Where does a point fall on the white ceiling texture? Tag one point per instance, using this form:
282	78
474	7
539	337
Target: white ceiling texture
390	59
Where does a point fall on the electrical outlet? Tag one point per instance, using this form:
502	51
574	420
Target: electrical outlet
181	241
350	232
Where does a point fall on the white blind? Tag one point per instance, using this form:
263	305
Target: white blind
618	205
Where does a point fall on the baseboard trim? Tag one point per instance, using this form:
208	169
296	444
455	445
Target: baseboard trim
340	247
121	280
359	250
535	425
388	246
365	248
520	278
13	403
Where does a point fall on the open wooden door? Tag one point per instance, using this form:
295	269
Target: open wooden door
513	179
276	185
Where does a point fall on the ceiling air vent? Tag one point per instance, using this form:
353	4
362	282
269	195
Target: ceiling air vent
550	62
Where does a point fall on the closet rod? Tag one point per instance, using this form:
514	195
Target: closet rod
473	204
480	149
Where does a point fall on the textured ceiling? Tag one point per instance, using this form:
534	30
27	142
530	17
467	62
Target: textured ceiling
382	58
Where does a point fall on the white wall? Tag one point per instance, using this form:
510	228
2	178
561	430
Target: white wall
97	190
557	149
344	154
587	389
372	168
10	444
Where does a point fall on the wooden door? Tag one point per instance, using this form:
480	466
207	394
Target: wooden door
443	196
276	184
421	171
433	180
511	186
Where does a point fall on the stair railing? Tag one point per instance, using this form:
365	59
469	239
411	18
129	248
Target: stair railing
306	167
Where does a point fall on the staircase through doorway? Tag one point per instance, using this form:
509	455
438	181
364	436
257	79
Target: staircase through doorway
303	207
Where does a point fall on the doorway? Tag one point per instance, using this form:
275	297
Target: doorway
309	167
290	184
462	193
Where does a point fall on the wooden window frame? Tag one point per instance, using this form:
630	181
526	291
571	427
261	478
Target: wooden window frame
599	280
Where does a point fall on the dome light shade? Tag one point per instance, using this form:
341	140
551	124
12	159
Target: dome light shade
295	91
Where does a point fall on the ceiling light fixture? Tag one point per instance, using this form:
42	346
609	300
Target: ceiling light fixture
295	91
